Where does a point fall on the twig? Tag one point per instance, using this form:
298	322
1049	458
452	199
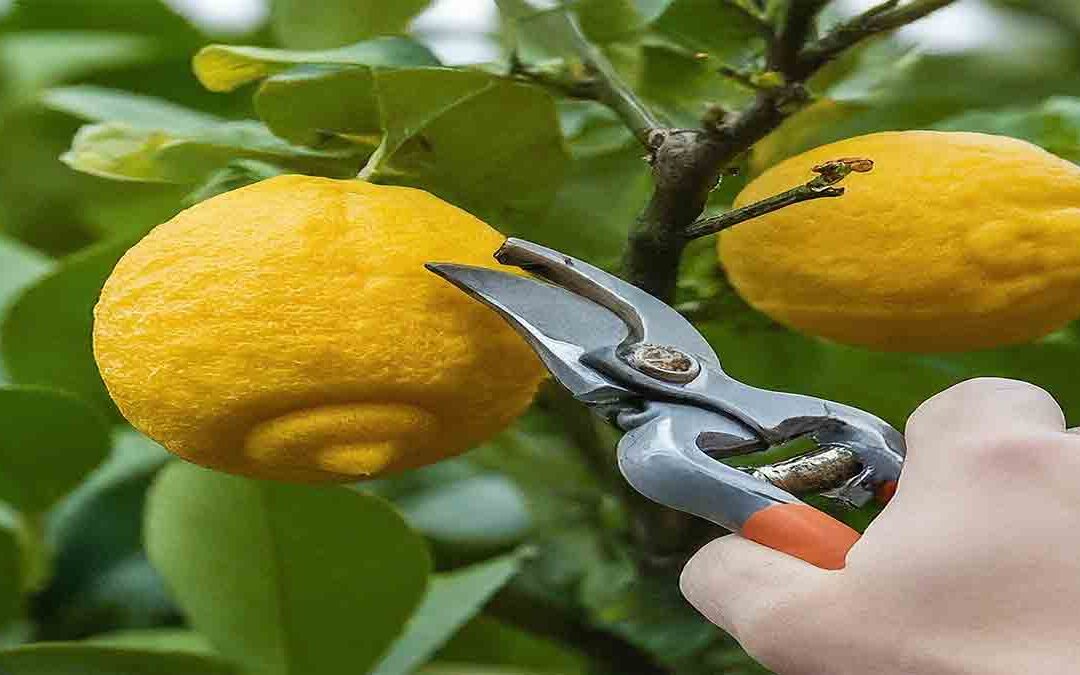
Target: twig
610	87
884	17
821	186
795	30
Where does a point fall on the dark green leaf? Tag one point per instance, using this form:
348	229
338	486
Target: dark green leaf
85	659
226	67
451	600
46	336
490	641
332	23
1053	124
50	443
441	134
283	579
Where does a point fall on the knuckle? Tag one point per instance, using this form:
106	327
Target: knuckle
1019	455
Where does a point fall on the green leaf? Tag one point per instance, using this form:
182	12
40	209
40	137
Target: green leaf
451	600
144	17
610	20
1053	124
123	152
46	336
101	104
32	61
233	176
84	659
11	577
331	23
20	266
491	146
447	513
99	525
490	641
711	27
156	639
146	139
284	579
51	441
606	186
226	67
539	29
310	105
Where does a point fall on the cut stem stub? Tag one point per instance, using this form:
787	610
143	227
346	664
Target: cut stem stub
822	185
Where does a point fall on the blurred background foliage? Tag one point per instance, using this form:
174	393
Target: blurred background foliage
515	558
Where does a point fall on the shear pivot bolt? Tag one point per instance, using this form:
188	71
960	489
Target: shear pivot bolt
662	362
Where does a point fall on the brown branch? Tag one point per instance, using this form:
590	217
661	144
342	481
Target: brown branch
821	186
881	18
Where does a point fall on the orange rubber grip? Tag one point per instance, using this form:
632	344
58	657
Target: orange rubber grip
802	531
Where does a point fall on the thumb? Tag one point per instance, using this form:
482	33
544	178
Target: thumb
738	584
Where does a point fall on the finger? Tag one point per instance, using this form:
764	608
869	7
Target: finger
733	581
976	410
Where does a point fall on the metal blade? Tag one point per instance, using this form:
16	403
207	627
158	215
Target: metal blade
648	319
559	325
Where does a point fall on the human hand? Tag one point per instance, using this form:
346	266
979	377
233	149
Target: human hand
974	567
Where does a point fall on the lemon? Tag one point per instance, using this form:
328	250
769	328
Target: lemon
955	241
289	330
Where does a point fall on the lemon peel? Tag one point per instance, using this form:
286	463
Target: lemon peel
955	241
289	330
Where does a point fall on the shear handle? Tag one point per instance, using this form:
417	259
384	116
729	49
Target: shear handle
660	457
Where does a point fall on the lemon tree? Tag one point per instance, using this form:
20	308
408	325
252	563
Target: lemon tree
211	253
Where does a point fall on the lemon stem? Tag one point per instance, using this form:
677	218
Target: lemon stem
821	186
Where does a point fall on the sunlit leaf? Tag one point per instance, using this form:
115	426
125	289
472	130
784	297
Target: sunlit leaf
438	134
40	459
100	104
226	67
283	579
452	599
331	23
122	152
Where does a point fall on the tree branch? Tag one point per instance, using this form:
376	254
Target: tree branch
884	17
821	186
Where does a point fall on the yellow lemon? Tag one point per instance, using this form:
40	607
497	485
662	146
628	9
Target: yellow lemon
289	330
955	241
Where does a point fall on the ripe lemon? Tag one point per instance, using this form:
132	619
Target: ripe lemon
289	330
955	241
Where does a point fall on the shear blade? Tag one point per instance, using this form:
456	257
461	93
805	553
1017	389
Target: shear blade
559	325
649	319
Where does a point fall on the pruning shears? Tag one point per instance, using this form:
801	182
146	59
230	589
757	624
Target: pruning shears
637	362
